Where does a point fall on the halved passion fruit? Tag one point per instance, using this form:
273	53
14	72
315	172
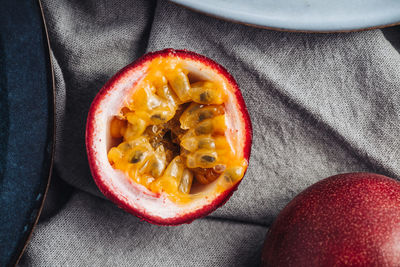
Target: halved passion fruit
168	137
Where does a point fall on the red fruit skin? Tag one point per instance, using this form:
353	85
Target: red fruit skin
344	220
120	200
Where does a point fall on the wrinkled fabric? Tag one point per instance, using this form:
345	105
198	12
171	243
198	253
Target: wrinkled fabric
320	104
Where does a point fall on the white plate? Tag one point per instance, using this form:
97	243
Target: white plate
303	15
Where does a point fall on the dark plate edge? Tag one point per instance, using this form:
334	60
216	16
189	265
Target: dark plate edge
17	256
283	29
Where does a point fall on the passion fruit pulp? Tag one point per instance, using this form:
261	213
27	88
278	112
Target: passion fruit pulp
168	137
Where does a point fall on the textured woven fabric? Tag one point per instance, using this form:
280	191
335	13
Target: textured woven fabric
320	104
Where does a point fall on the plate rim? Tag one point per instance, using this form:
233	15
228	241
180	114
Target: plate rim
21	248
236	21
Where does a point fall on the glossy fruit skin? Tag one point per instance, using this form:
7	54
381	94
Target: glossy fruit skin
119	199
344	220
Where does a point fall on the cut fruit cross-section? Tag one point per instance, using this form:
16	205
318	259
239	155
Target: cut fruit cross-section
168	137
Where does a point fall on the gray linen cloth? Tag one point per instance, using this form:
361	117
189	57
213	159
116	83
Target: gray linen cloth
320	104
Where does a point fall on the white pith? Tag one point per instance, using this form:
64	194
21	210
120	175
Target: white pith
133	194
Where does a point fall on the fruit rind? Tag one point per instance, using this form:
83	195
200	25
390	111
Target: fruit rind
349	219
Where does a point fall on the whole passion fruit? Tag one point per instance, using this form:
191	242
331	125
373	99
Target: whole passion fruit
168	137
344	220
